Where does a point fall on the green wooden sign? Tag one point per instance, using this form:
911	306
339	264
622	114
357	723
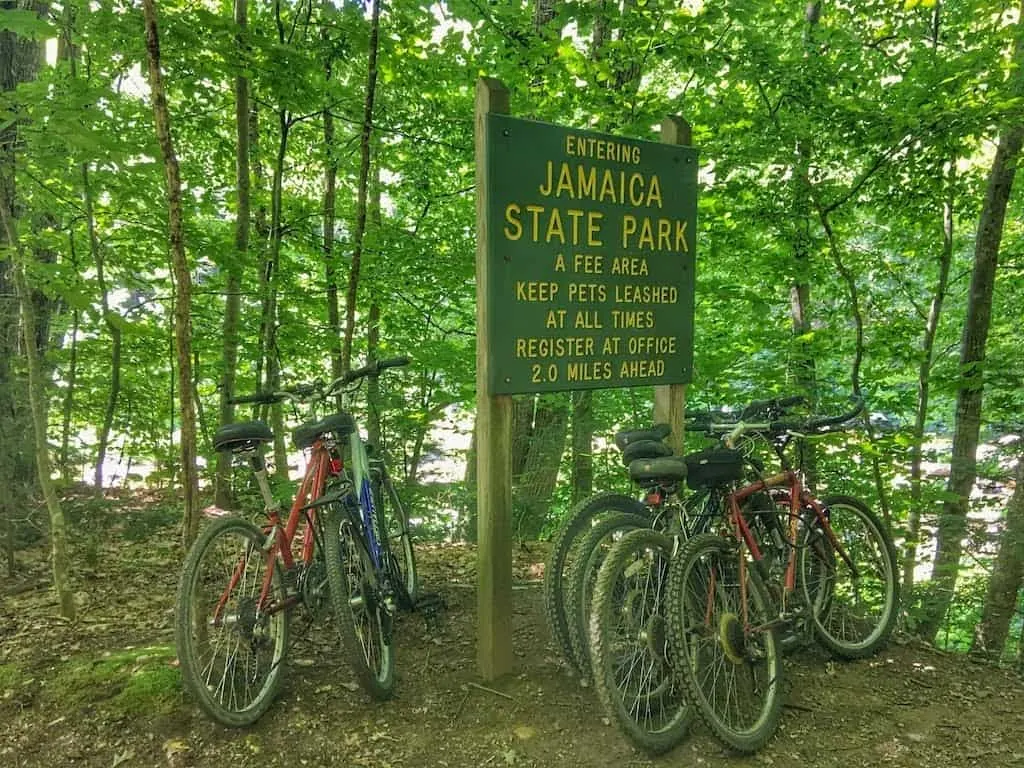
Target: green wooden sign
590	250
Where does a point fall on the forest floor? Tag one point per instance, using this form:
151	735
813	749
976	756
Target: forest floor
105	692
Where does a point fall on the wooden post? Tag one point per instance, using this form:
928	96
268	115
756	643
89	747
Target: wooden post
494	438
670	399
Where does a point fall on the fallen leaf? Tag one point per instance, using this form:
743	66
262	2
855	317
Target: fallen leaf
524	732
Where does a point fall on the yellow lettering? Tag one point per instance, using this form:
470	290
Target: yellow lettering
681	237
591	371
555	227
586	180
515	229
594	229
654	192
588	263
584	292
559	263
534	290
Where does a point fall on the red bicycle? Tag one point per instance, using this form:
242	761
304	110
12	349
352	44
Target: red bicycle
344	547
788	562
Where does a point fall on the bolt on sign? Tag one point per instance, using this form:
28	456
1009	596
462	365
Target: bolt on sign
590	251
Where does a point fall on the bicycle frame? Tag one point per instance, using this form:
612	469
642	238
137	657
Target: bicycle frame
799	499
321	465
360	466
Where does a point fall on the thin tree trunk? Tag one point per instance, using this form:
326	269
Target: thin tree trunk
802	366
112	327
543	460
582	450
71	378
923	386
182	278
272	382
330	215
20	59
59	560
858	357
1007	574
361	190
233	287
963	465
374	406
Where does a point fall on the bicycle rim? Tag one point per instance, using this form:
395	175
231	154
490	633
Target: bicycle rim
397	542
362	619
628	637
564	552
230	647
853	599
728	657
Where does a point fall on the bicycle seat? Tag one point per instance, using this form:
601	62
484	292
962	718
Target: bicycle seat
306	434
657	432
243	436
714	466
667	468
644	449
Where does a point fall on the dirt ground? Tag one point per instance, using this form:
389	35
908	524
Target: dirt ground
103	692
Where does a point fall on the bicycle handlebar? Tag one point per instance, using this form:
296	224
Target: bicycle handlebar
316	391
766	409
735	429
373	369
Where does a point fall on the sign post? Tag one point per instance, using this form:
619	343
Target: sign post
585	280
670	400
493	429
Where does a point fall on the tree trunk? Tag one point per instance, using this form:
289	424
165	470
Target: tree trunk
113	328
71	378
923	386
330	199
182	278
233	288
543	460
963	465
19	62
582	449
59	560
523	409
272	381
361	190
1001	599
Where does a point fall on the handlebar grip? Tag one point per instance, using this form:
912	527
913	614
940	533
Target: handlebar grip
698	423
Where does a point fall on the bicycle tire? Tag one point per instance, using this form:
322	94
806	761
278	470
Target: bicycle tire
392	529
566	540
839	611
231	655
712	642
582	574
362	619
632	669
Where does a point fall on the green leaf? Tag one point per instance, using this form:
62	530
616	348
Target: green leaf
26	24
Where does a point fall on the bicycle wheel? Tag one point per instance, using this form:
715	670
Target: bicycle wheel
582	575
854	599
396	543
723	645
564	550
628	638
231	643
363	620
